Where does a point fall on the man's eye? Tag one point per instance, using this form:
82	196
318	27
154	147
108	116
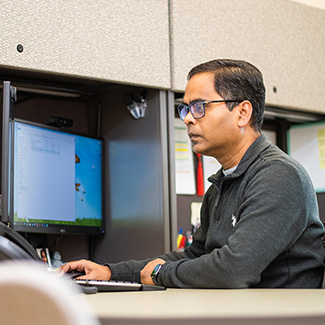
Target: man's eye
198	106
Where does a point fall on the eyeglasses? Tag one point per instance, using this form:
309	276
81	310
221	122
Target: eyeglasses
197	108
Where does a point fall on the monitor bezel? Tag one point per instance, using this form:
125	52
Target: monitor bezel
52	228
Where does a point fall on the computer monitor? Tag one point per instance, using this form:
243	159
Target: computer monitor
7	92
56	180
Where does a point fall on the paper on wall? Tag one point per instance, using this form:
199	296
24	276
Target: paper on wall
184	166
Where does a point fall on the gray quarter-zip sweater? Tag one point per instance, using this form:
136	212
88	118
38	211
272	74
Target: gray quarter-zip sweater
259	228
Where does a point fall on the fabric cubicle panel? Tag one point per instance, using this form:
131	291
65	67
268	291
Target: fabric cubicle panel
284	39
120	41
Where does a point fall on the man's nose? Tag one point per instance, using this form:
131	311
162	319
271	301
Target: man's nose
189	118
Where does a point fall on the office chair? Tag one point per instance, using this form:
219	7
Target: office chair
30	295
13	246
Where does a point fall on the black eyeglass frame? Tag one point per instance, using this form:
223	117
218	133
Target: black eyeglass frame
188	108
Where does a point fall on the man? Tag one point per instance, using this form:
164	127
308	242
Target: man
259	218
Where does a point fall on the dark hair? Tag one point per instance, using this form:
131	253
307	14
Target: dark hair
235	79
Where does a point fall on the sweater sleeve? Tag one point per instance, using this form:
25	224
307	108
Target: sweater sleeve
130	270
270	217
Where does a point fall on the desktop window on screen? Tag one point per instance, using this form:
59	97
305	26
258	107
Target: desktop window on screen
57	177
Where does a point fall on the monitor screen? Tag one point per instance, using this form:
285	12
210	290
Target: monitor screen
56	180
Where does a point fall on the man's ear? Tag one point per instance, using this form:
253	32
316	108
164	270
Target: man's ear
245	113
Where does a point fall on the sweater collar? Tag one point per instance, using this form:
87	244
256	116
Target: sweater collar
259	145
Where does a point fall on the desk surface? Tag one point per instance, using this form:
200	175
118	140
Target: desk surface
187	306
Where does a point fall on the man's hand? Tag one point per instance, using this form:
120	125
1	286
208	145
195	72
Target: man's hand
93	271
147	270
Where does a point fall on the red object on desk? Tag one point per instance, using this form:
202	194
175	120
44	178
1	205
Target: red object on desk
182	245
199	178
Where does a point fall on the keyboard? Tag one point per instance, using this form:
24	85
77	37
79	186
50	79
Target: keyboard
109	286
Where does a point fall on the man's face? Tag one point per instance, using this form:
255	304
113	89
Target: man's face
217	131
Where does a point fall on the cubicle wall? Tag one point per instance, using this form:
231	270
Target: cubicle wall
123	41
134	41
284	39
113	47
136	178
136	197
